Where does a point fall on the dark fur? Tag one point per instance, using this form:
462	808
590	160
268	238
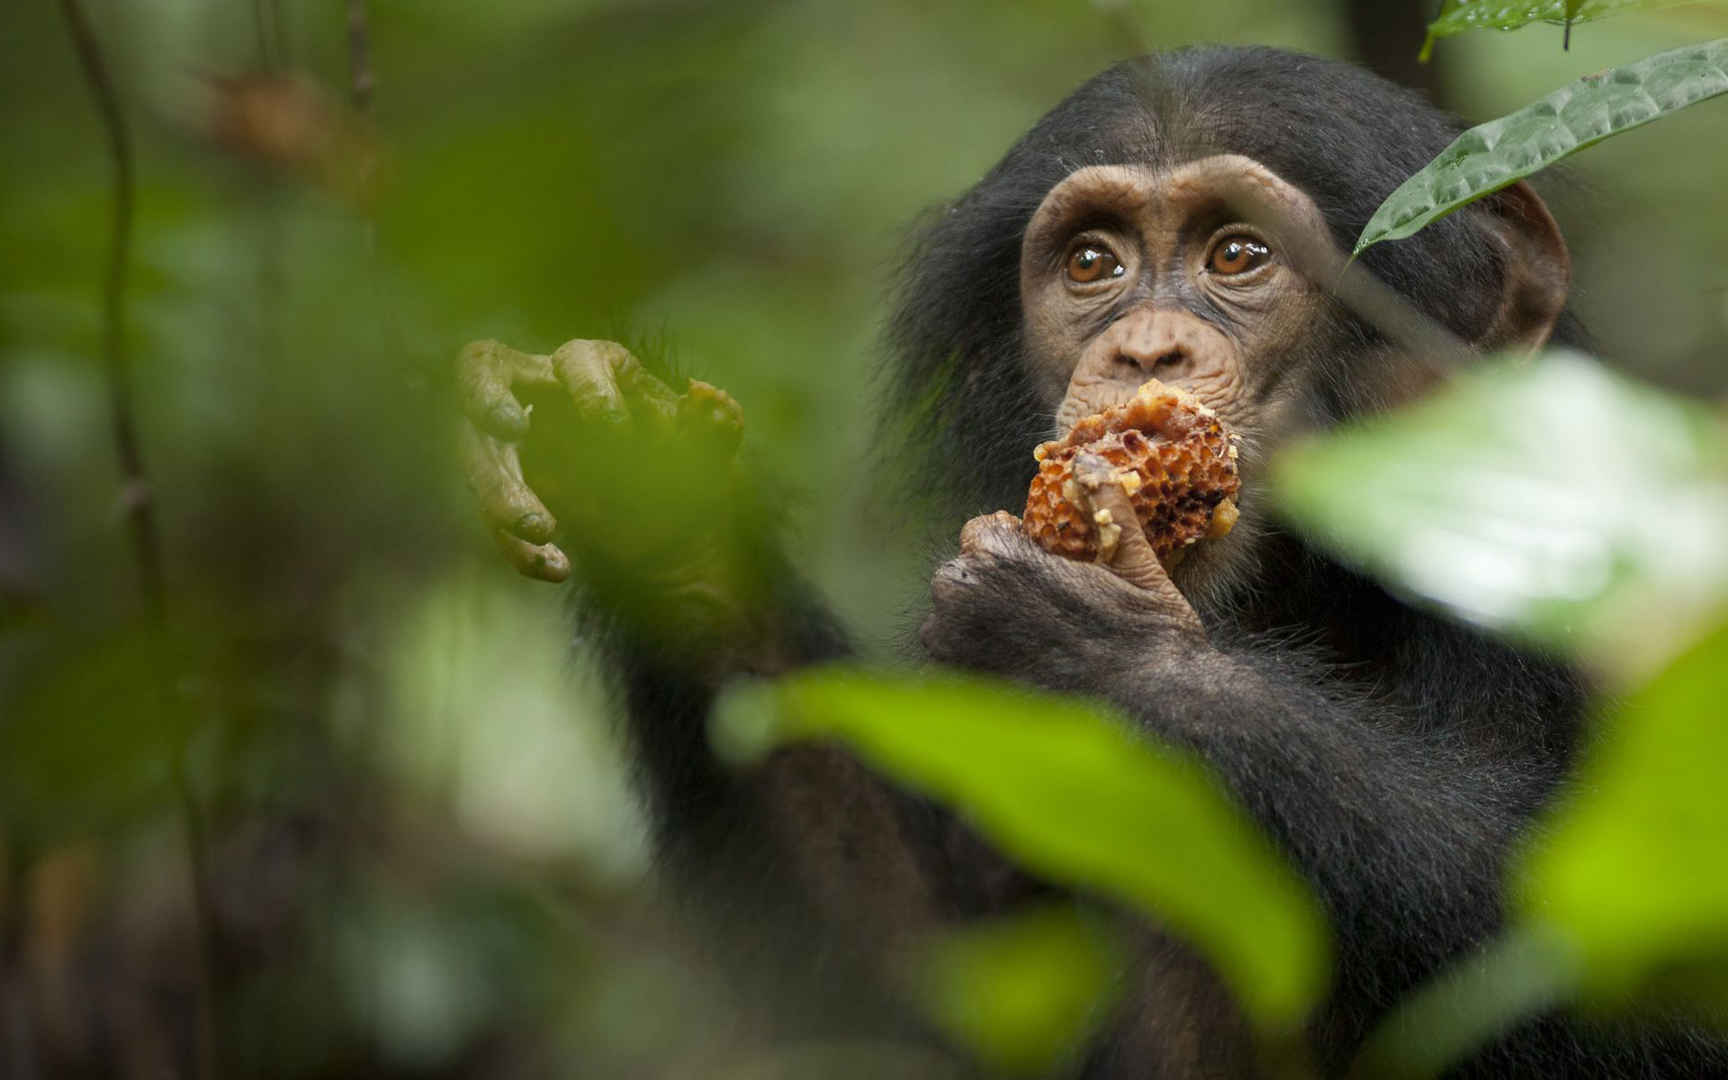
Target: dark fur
1395	756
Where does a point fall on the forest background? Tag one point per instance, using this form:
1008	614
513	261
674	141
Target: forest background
343	801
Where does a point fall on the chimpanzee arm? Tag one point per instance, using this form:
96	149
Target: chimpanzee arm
670	685
677	550
1402	831
1401	822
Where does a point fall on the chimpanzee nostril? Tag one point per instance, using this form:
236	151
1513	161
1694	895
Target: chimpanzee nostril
1157	363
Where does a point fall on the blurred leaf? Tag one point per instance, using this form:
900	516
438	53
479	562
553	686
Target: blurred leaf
1630	871
1501	152
1022	992
481	710
1554	500
93	734
1479	998
1068	790
293	124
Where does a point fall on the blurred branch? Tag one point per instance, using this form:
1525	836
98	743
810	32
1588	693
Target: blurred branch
207	941
360	78
269	30
20	1058
1387	35
137	498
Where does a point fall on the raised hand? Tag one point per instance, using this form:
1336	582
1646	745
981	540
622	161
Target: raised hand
626	417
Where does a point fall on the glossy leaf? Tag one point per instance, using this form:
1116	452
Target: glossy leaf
1630	872
1069	791
1550	499
1501	152
1459	16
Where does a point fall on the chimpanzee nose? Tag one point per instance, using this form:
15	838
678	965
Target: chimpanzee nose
1152	343
1166	364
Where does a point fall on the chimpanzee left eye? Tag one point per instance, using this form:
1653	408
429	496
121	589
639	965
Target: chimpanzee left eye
1237	255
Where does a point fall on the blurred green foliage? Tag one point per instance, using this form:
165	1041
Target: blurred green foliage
354	793
1023	991
1522	974
1628	873
1588	514
1546	498
1069	790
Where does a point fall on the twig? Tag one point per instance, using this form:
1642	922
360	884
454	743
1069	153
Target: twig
269	31
360	78
207	942
19	1038
137	499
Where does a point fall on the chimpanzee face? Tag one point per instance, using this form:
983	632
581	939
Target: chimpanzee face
1133	272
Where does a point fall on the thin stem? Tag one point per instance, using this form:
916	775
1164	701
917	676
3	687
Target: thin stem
137	499
208	943
269	32
360	77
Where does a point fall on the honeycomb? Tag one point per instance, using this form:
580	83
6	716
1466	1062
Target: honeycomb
1172	457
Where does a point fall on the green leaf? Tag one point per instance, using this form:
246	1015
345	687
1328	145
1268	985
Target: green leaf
1068	790
1023	992
1501	152
1477	999
1459	16
1550	499
1630	872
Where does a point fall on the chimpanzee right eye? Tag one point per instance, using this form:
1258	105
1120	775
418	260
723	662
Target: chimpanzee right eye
1092	262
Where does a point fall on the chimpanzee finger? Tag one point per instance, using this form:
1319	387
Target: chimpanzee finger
607	383
543	562
1125	548
487	374
1000	534
588	372
709	414
642	386
495	476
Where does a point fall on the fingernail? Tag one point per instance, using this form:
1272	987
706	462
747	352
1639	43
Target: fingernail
532	525
508	416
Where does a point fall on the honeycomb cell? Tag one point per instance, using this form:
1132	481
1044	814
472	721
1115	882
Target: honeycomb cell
1172	457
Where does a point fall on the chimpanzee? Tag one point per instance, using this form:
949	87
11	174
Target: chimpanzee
1149	226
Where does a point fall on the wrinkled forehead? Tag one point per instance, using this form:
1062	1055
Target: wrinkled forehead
1147	193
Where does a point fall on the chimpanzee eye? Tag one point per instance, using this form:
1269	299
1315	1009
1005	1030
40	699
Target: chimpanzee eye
1237	255
1092	262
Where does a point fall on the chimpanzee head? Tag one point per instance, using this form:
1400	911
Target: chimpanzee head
1113	244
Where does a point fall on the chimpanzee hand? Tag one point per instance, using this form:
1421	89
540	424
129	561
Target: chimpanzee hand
1006	605
623	410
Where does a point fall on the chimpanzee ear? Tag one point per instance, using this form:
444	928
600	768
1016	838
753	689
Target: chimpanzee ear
1537	274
